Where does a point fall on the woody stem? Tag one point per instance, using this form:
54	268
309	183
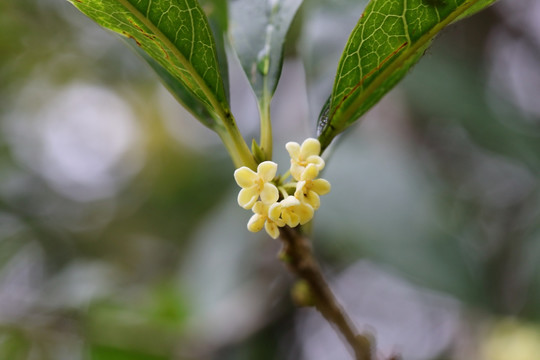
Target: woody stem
297	253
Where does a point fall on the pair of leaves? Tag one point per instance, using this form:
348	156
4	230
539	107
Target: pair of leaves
388	40
177	41
175	38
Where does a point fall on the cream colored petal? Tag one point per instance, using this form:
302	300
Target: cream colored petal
305	213
256	223
272	229
279	223
267	170
247	197
300	188
292	219
321	186
312	199
294	149
310	172
301	191
274	212
285	216
287	211
296	171
310	147
245	177
260	208
269	194
317	161
289	201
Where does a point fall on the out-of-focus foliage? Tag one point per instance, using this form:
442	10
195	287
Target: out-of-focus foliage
120	236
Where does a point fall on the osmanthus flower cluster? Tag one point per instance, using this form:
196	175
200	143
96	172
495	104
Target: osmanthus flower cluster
276	202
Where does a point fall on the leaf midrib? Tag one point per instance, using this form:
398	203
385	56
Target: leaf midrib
385	74
217	106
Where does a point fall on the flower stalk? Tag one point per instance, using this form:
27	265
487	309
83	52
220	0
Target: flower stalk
235	144
281	207
297	254
266	128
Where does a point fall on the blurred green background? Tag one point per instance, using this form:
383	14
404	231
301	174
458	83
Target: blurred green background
120	236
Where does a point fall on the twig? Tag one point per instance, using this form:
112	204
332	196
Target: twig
297	253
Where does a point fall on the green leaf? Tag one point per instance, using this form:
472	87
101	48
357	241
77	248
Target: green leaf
258	30
177	89
388	40
479	5
177	35
216	11
218	17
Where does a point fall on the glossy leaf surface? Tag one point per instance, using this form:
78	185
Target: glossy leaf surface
258	29
388	40
177	35
185	97
218	17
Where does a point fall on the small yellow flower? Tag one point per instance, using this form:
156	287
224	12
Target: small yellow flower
309	188
290	211
256	184
260	219
302	156
260	194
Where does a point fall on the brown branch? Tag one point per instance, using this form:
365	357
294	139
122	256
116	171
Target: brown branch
297	253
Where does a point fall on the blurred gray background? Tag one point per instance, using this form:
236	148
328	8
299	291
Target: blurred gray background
121	238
